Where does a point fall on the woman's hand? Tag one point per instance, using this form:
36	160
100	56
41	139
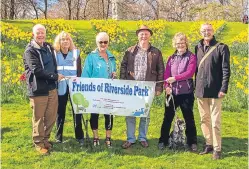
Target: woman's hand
168	90
171	80
114	75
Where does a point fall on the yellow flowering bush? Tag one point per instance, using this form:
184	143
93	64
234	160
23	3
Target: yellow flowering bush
14	39
54	27
13	84
14	34
240	43
238	84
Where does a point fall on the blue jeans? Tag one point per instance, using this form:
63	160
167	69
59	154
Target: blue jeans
131	126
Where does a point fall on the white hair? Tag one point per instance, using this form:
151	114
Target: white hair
102	35
38	26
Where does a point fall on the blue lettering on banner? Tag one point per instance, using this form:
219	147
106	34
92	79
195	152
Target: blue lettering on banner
141	92
109	88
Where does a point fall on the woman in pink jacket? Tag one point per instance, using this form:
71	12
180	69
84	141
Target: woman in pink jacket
178	75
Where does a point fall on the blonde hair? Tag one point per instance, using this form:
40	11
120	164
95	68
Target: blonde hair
57	41
180	36
100	35
38	26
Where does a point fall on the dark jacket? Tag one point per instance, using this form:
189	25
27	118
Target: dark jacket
214	73
39	80
155	66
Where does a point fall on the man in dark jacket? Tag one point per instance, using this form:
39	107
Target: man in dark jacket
141	62
212	77
41	76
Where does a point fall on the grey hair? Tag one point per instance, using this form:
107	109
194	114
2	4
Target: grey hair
180	36
100	35
38	26
206	24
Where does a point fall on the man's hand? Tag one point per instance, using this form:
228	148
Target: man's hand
168	90
221	94
60	76
171	80
158	93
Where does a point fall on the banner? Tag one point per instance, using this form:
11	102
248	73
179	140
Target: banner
107	96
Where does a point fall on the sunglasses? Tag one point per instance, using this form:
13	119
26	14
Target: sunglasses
105	42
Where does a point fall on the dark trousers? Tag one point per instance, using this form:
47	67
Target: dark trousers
186	103
79	134
94	121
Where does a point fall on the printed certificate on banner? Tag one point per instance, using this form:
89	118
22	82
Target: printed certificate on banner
107	96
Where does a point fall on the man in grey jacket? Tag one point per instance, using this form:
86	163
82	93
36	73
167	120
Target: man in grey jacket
212	78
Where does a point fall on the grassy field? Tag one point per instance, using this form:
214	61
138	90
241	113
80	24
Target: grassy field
18	152
16	129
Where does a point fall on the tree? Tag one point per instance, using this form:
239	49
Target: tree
154	6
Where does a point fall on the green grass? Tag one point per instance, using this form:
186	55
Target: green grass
18	152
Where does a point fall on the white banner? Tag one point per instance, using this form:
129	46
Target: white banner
107	96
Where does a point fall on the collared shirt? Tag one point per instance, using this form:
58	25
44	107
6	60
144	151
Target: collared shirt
140	64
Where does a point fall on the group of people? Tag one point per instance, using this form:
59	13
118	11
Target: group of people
48	67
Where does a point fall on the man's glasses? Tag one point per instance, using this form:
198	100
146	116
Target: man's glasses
105	42
206	30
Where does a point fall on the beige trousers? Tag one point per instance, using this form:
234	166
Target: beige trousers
210	113
44	116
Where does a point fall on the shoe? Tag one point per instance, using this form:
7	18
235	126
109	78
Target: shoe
81	141
207	149
193	148
96	142
108	142
58	141
42	151
161	146
127	144
216	155
48	145
144	144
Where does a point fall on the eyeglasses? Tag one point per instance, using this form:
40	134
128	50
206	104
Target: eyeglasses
178	44
105	42
206	30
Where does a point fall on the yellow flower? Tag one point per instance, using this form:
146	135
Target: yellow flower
246	91
239	85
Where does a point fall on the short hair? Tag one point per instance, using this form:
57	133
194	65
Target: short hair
206	23
100	35
38	26
57	41
180	36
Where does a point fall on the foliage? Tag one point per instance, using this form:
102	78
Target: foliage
240	44
121	37
238	85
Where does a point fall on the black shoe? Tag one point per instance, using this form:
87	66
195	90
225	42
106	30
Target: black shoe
81	142
207	149
216	155
161	146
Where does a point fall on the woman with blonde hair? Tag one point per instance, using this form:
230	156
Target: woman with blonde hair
178	77
68	64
